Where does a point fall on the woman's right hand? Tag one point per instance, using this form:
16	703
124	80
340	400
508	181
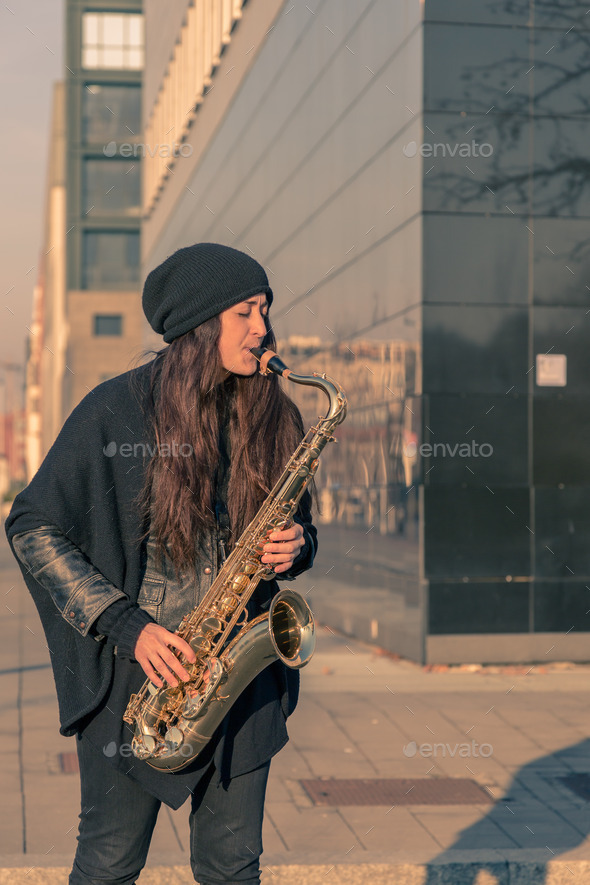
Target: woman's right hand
157	659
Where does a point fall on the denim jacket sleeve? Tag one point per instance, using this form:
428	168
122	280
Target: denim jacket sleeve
80	592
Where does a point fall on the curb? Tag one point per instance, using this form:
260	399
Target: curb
491	872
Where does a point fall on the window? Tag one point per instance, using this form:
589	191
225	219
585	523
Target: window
108	325
110	260
111	113
112	40
111	187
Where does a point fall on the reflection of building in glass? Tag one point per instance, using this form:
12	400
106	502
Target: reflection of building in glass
365	480
416	199
90	307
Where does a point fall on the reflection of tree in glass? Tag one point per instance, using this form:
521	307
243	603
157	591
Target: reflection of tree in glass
534	107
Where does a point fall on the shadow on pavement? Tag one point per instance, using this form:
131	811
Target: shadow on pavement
539	813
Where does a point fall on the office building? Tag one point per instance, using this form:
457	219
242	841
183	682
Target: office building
90	320
409	176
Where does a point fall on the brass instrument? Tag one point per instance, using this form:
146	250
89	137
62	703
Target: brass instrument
174	723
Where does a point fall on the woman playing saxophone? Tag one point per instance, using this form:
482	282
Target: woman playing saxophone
123	530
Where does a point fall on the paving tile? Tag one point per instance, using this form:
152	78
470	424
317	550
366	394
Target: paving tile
312	829
464	829
52	809
276	790
376	826
332	763
272	843
11	813
171	832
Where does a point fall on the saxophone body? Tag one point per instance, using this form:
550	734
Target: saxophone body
173	724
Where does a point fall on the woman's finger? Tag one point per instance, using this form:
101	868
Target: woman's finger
168	670
290	545
150	672
278	557
293	532
283	568
282	550
157	659
182	646
172	663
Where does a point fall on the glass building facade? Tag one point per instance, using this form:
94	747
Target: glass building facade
105	56
99	329
505	333
413	178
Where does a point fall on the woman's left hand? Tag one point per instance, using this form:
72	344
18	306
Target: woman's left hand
282	548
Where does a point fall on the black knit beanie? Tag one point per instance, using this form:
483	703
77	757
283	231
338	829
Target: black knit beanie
198	282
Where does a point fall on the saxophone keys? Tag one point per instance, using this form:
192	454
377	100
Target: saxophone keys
213	674
173	739
192	705
211	626
200	645
240	583
143	746
228	605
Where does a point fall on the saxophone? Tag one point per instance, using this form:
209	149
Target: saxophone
173	724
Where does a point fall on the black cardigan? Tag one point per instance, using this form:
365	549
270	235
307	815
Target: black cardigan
87	486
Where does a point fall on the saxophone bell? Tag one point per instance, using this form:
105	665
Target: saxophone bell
292	629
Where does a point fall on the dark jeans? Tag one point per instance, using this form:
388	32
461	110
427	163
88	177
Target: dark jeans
118	818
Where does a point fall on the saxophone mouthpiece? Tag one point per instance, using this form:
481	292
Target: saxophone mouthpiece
270	362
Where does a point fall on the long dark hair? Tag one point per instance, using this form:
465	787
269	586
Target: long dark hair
185	410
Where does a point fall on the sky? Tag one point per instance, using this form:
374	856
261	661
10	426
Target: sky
31	60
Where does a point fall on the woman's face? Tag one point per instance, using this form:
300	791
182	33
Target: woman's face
242	327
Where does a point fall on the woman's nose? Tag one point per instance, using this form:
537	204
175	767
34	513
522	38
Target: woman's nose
258	324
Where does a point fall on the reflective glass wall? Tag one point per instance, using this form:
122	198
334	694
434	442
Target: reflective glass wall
307	172
412	177
506	255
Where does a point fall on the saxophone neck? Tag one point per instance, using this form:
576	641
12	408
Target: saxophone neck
271	362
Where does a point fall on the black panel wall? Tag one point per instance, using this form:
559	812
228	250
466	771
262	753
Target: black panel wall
506	261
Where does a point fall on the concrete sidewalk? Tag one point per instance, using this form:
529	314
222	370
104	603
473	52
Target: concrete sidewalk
517	732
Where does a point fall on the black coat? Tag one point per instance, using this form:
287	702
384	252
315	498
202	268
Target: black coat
86	487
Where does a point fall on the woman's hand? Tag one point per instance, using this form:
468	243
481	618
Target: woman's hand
283	547
156	658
